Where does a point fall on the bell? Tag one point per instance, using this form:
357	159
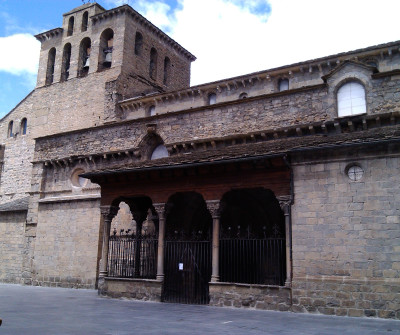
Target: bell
108	58
87	63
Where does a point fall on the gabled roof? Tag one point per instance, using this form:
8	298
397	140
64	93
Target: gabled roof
346	63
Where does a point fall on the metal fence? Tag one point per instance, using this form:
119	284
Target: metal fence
253	260
133	256
187	271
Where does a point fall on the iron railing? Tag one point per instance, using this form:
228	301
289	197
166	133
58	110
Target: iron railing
187	268
245	258
133	256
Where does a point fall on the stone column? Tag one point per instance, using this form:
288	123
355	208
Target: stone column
108	213
285	205
213	208
160	209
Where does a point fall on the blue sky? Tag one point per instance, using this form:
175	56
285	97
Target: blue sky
228	37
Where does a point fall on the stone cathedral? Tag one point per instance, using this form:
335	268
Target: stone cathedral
274	190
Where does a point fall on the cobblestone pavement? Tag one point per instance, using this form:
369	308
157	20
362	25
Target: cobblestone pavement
40	311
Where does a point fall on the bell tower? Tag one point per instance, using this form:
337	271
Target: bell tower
116	53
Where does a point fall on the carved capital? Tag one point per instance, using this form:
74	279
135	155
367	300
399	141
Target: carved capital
108	212
214	208
160	209
285	202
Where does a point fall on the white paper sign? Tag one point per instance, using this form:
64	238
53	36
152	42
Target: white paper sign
180	266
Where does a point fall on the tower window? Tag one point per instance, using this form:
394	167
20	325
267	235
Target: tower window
152	110
283	85
167	70
70	26
153	63
106	49
24	125
138	44
212	99
66	62
10	129
85	19
50	66
84	56
351	99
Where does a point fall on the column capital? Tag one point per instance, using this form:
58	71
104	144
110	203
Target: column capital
108	212
284	202
160	209
213	207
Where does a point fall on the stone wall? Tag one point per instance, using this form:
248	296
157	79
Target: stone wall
138	289
250	296
18	154
11	246
346	234
243	117
67	244
265	113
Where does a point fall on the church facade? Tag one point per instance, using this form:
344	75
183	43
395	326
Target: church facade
273	190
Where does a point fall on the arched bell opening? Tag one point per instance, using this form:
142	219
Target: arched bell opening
133	239
187	260
106	49
252	238
84	57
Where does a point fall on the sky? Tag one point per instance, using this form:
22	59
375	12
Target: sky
228	37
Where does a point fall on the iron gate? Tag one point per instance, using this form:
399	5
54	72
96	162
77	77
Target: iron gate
187	270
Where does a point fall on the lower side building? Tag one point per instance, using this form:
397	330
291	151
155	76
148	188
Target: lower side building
292	223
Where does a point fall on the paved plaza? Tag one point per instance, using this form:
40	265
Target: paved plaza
31	310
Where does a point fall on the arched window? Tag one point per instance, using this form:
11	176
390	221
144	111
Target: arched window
24	125
243	95
70	26
351	99
85	20
167	70
51	58
283	85
152	110
159	152
10	129
138	44
212	99
84	56
106	49
66	62
153	63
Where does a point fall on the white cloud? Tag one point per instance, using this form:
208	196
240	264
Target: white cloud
20	54
231	38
